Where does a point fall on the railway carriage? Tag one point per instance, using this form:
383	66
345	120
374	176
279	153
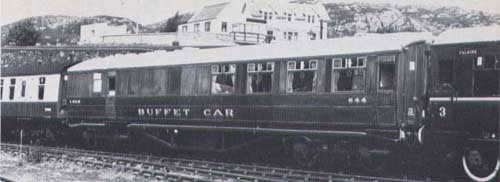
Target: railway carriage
315	95
30	100
464	100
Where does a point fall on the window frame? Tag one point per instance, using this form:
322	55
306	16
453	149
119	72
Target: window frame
302	69
394	61
257	71
94	79
349	67
112	75
219	71
12	89
207	26
42	81
23	88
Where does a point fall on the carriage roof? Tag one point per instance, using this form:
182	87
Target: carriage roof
469	35
370	43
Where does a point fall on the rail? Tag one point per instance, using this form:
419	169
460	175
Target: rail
165	168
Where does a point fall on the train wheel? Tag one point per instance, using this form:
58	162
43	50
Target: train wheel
372	159
481	164
304	154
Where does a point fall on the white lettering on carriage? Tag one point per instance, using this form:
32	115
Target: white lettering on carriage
218	113
163	112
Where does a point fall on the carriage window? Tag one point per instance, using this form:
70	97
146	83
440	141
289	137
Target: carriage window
486	79
349	74
445	71
12	89
97	83
112	83
41	88
1	89
260	77
302	76
386	73
485	62
223	78
23	88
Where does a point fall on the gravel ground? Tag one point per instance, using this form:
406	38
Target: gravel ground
50	171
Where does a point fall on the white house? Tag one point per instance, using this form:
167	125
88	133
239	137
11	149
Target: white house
257	19
94	33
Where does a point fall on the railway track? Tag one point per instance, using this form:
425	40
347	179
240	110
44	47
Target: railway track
173	169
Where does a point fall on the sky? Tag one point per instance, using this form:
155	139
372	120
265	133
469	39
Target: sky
152	11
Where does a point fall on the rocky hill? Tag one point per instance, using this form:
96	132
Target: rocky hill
352	18
64	30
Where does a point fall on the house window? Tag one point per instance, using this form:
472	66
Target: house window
207	26
386	73
112	83
445	71
290	34
296	35
223	78
270	15
260	77
265	15
308	18
197	27
301	76
12	88
284	35
289	17
41	88
349	74
97	83
224	27
23	88
312	19
184	28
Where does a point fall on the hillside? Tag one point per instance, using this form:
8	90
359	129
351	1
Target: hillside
352	18
65	30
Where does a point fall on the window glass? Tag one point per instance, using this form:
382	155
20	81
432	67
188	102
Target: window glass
223	78
97	82
207	26
386	73
1	89
301	76
260	76
196	27
349	74
23	88
224	27
485	62
41	88
12	89
486	83
445	71
112	83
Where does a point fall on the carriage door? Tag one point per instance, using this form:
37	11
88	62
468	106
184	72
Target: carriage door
411	85
110	83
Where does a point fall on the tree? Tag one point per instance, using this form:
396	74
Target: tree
23	34
172	23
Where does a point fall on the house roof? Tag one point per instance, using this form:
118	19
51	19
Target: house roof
367	44
469	35
208	12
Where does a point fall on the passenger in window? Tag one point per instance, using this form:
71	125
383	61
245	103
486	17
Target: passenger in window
223	83
302	81
260	83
